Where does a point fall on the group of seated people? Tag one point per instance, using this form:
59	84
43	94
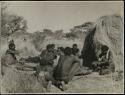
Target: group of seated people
69	63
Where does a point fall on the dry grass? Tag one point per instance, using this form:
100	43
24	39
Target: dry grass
93	83
20	82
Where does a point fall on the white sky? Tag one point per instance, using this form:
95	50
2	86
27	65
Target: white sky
62	15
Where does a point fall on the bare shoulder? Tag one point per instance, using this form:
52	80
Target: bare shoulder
75	57
44	50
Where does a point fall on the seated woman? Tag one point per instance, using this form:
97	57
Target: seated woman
10	57
105	64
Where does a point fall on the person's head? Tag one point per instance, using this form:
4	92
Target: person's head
74	45
68	51
48	47
12	46
104	48
60	49
53	46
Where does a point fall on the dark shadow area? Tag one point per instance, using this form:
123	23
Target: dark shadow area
88	52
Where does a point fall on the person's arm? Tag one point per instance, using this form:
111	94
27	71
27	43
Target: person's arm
17	52
100	57
42	54
76	60
75	66
110	57
104	60
77	53
74	70
81	54
55	54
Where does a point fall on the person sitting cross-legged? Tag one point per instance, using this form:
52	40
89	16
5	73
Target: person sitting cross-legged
105	64
68	66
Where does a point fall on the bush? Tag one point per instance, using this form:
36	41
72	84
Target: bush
71	36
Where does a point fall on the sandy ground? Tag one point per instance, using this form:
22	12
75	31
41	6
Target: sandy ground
92	83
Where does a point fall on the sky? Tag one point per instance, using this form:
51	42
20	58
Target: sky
62	15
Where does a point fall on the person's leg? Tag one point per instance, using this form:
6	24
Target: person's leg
49	77
104	71
51	80
112	67
38	68
62	85
49	74
75	70
49	86
2	69
83	71
24	67
95	65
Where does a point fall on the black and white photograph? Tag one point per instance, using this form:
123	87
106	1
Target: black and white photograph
59	47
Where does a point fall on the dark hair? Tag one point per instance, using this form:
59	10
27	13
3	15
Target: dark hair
11	45
52	45
48	46
104	48
67	51
74	45
61	48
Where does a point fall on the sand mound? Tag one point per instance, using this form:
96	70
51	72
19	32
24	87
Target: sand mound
108	31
